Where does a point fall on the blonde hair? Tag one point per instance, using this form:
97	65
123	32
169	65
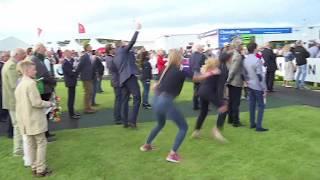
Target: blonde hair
210	64
286	48
23	66
175	58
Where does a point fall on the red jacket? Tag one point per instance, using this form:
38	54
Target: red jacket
161	64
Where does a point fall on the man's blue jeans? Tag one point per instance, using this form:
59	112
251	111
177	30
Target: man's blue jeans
302	72
256	98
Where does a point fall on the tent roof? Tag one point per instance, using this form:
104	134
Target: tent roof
12	43
95	44
73	45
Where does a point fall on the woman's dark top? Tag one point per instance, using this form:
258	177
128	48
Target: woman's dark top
172	81
209	90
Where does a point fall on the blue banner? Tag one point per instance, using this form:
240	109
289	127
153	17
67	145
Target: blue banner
226	35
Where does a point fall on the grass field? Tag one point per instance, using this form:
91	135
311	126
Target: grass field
290	150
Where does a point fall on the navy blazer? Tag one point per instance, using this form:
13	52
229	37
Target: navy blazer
270	59
69	74
125	60
196	61
98	68
85	68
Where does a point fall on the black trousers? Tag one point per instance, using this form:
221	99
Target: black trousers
195	95
71	99
117	104
130	87
5	117
46	97
270	79
234	104
204	108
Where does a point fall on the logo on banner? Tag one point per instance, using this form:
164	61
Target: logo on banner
312	69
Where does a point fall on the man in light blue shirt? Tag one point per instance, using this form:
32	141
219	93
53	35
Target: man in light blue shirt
257	86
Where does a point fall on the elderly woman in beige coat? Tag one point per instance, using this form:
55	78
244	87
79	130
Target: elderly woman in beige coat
235	82
31	118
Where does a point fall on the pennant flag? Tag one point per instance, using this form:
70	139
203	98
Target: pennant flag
81	28
39	31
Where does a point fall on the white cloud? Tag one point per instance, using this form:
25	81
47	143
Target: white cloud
115	18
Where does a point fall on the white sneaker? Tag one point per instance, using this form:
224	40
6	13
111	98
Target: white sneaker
218	136
196	134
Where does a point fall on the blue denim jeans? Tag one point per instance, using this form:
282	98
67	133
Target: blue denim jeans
302	72
146	90
164	107
94	91
256	97
99	85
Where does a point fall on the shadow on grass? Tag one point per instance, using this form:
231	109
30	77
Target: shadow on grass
285	97
105	117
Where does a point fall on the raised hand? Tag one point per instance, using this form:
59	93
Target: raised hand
138	27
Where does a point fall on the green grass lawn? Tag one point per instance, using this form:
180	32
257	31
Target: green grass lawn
290	150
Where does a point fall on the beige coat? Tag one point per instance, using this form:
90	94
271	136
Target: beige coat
9	83
236	70
29	108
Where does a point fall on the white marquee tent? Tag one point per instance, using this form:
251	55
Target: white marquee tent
73	45
95	44
12	43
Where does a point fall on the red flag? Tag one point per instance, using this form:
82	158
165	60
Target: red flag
81	28
39	31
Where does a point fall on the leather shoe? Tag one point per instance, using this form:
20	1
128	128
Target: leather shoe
253	126
261	129
51	139
75	117
133	126
46	172
237	125
89	111
118	122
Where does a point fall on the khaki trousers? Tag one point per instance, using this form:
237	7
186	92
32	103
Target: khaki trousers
37	146
88	88
17	137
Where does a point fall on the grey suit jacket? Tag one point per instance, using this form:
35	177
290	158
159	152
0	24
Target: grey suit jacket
125	61
85	68
236	70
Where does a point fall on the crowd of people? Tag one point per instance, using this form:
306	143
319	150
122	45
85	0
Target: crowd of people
28	82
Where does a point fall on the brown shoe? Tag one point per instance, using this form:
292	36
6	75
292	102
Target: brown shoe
89	111
46	172
133	125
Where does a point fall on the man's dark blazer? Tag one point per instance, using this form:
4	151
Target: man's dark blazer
269	59
125	60
70	76
98	67
85	68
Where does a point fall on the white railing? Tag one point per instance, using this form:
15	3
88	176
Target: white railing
313	69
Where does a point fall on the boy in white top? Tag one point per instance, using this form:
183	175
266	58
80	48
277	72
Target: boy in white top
257	87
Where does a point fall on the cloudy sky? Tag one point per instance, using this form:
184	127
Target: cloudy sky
116	18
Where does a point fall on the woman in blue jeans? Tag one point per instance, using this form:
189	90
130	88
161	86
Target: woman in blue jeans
166	90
